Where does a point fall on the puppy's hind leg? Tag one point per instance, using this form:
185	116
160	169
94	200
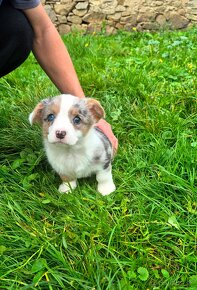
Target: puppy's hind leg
67	185
105	181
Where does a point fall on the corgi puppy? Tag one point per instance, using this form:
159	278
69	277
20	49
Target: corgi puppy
75	148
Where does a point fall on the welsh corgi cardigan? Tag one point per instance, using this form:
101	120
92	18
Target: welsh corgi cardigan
75	148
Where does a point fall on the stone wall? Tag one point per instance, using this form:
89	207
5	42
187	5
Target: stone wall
95	15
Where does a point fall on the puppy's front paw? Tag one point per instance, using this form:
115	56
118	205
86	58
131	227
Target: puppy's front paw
64	188
106	188
67	187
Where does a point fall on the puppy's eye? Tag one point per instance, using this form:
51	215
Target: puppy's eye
50	117
76	120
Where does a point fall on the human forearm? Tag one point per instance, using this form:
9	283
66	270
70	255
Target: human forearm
52	54
56	62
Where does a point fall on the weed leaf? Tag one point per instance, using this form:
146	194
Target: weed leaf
173	222
165	273
143	273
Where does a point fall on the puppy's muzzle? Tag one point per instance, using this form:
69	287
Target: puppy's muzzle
60	134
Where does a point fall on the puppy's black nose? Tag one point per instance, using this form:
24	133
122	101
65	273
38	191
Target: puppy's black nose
60	134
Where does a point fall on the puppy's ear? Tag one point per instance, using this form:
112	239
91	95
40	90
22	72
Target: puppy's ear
96	109
36	115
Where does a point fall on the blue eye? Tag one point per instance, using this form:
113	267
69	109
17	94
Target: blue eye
77	120
50	117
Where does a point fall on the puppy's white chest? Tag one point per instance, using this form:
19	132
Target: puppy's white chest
73	164
77	165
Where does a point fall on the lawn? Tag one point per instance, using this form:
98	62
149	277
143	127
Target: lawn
144	235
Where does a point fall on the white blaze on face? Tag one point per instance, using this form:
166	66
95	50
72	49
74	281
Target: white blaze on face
62	123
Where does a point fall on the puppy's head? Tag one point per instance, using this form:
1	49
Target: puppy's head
66	119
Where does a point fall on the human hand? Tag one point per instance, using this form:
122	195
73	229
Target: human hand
106	129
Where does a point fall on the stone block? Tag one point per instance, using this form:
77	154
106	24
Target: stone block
177	21
160	10
61	19
126	13
64	9
109	22
121	2
161	20
132	20
120	8
176	3
74	19
79	13
181	12
93	17
109	7
81	5
84	27
75	27
147	26
133	5
159	3
119	26
146	17
115	16
64	29
94	8
128	2
94	2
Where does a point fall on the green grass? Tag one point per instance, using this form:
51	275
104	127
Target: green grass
143	236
